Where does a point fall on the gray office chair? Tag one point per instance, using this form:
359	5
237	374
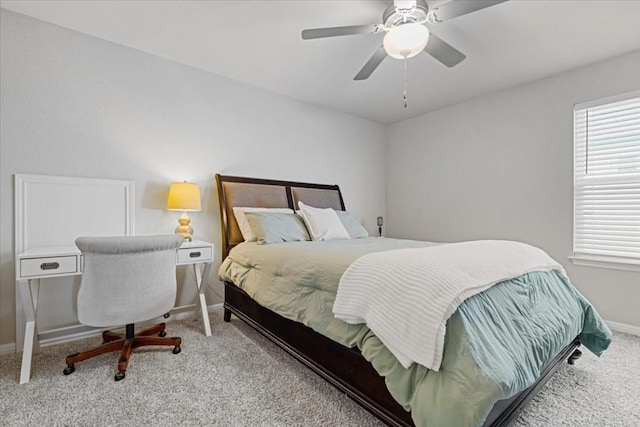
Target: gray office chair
126	280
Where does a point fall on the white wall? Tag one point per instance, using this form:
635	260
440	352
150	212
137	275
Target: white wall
500	167
74	105
494	167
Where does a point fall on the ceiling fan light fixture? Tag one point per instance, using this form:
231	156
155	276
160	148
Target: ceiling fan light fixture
406	40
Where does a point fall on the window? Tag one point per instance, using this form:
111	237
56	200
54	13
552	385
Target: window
606	185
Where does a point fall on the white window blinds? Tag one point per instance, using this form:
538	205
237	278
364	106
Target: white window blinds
607	180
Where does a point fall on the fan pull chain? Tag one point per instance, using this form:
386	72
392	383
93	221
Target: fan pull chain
404	97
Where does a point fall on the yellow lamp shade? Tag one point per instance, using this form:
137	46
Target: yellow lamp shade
184	196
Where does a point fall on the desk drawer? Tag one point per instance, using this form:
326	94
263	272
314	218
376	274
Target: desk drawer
48	266
190	255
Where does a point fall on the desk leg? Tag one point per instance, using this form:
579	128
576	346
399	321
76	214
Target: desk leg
29	296
201	284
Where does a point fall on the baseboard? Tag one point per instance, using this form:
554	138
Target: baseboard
74	333
623	327
7	348
214	307
78	332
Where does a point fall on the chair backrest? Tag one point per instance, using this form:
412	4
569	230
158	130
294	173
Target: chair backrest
126	279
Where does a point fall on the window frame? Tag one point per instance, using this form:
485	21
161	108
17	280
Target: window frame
579	257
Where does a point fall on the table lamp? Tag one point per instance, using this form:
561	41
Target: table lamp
185	197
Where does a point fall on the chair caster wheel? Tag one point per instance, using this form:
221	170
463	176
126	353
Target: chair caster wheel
119	376
162	333
176	350
166	315
69	370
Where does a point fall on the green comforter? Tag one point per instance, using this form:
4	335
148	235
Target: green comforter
497	342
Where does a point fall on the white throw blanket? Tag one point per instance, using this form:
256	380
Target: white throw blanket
405	296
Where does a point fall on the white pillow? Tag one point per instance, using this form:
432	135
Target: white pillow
323	224
243	223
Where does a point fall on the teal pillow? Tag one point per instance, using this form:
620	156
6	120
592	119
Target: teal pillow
354	228
272	227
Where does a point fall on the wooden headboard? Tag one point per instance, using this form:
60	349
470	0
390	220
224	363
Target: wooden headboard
236	191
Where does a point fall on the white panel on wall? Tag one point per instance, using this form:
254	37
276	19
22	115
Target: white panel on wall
55	210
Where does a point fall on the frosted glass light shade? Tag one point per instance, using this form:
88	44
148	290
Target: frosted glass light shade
406	40
184	196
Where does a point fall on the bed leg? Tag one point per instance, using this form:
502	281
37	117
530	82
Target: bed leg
227	315
574	356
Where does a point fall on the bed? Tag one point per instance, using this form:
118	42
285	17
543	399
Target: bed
344	367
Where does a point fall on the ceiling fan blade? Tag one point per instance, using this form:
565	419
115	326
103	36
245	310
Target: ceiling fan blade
456	8
443	51
317	33
371	64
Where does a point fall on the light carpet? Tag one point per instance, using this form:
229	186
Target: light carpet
238	378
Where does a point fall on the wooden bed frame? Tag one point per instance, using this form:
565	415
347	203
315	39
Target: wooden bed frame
343	367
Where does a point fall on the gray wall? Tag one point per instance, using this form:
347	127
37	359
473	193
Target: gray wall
500	167
74	105
496	167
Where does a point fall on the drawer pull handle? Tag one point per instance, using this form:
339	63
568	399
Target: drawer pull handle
49	266
194	254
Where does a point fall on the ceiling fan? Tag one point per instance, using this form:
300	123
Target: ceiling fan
404	23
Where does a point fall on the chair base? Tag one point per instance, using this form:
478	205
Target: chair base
125	344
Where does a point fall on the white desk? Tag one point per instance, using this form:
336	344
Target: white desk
42	263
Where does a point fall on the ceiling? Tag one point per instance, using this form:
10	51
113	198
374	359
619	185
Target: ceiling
259	43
